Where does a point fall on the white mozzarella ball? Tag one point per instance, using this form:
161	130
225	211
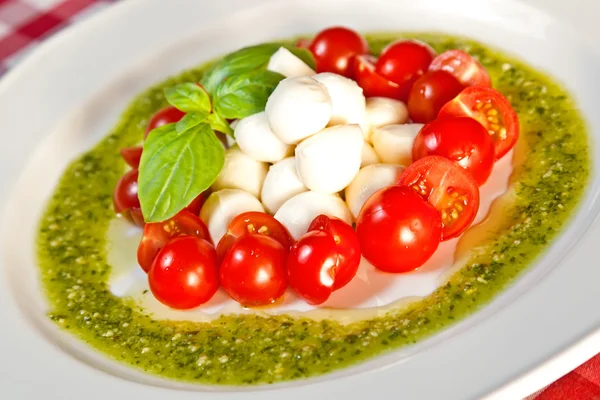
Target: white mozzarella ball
241	171
222	206
281	184
297	213
369	156
381	111
369	180
393	143
288	64
255	138
298	108
328	161
230	140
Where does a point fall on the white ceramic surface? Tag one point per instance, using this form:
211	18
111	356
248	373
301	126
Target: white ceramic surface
69	92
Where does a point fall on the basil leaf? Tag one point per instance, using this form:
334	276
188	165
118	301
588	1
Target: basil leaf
245	94
188	97
175	168
303	54
220	124
190	120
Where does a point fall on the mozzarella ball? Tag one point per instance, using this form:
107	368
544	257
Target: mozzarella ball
222	206
241	171
328	161
288	64
298	108
231	141
393	143
297	213
281	184
369	156
369	180
255	138
381	111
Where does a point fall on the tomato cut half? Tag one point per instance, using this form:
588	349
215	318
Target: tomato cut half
492	110
463	66
449	188
373	84
132	155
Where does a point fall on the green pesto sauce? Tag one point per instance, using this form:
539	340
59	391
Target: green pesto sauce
251	349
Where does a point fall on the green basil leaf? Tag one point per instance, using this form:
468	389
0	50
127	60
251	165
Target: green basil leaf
190	120
188	97
303	54
245	94
220	124
175	168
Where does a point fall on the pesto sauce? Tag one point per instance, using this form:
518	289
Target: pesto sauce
251	349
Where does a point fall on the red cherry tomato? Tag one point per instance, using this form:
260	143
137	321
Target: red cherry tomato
253	222
398	230
253	270
125	196
429	94
311	266
403	62
137	217
158	234
492	110
449	188
334	47
463	67
303	43
347	247
164	116
196	204
185	273
132	155
373	84
462	140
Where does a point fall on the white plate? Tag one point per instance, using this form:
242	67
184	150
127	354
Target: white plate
70	91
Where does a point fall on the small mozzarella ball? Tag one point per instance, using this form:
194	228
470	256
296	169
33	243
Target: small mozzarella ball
255	138
298	108
383	111
328	161
393	143
369	180
222	206
288	64
347	100
297	213
241	171
369	156
281	184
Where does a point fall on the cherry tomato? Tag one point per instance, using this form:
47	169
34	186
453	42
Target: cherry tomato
125	196
158	234
132	155
164	116
253	270
398	230
137	217
429	93
403	62
303	43
253	222
463	67
449	188
311	266
462	140
373	84
347	247
196	204
185	273
492	110
334	47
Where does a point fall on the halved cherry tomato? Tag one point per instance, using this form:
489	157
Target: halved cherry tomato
347	247
448	187
492	110
158	234
253	222
463	67
462	140
185	273
253	270
403	62
311	266
125	196
334	47
373	84
429	93
132	155
398	230
164	116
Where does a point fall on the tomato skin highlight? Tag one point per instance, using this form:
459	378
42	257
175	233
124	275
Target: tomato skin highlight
429	94
132	155
463	67
125	196
184	274
373	84
253	270
398	230
162	117
462	140
334	47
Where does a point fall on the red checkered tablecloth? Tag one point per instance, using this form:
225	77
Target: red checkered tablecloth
25	23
